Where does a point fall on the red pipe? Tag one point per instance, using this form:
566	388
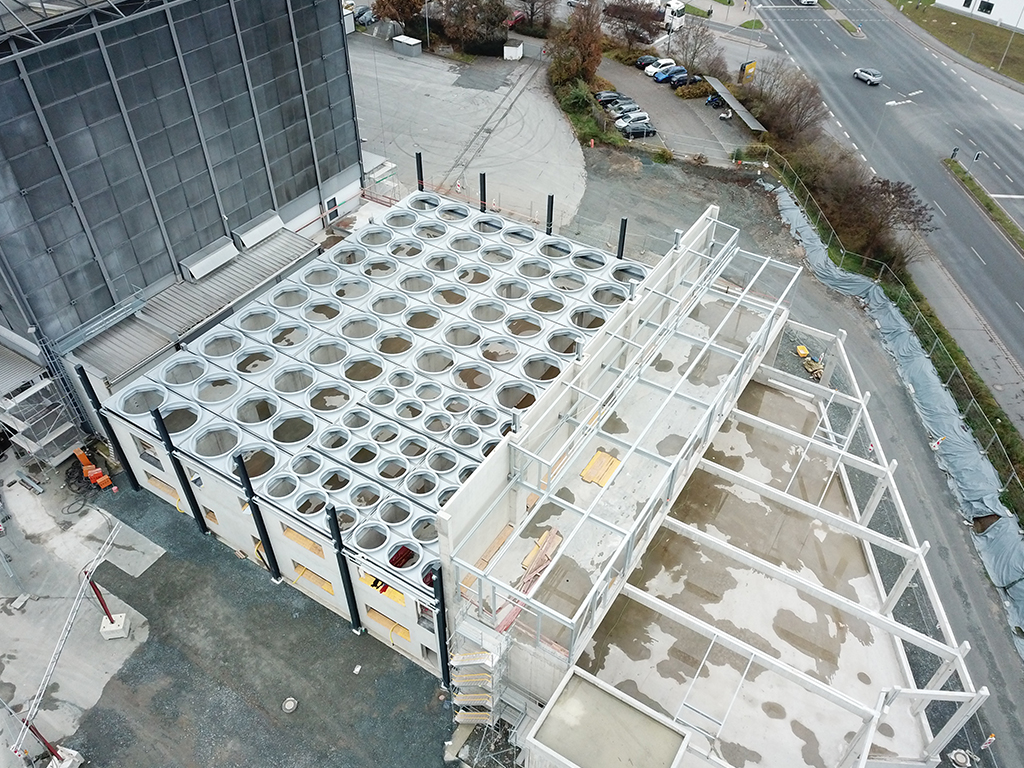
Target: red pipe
100	598
49	747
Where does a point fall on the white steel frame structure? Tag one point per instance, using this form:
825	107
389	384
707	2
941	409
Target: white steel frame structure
726	312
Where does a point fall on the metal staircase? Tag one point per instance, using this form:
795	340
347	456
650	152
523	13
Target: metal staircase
477	662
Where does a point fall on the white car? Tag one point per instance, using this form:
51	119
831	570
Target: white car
869	76
660	64
631	117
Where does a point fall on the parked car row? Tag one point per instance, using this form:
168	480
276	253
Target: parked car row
666	71
631	121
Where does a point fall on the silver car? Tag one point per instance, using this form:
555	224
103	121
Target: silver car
869	76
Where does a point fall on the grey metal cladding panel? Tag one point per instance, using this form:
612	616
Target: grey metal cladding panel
15	370
120	348
77	148
20	134
34	167
22	246
14	215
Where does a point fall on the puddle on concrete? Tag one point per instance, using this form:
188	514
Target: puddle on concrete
670	445
613	425
710	369
737	755
661	364
811	751
741	324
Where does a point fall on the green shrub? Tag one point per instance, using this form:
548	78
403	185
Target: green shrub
695	91
663	155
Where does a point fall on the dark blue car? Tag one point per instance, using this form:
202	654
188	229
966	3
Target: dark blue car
669	73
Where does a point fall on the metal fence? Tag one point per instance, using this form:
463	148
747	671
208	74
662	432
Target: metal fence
971	411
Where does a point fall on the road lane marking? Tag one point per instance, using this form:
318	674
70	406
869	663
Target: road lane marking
873	173
855	147
984	97
939	207
863	158
838	123
1008	197
1008	178
846	134
974	89
973	142
1016	126
952	71
979	257
886	86
996	106
959	131
996	165
915	93
963	79
1019	307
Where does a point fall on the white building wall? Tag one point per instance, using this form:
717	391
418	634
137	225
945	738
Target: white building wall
1006	13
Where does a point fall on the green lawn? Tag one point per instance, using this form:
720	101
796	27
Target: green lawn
849	26
752	24
977	40
997	214
825	4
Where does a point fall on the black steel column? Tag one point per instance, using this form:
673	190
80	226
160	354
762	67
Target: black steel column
94	401
483	192
442	630
551	215
622	238
419	171
257	516
179	471
346	577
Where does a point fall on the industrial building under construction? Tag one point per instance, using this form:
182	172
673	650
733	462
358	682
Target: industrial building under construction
602	500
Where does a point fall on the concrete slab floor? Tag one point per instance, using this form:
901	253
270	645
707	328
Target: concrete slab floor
222	650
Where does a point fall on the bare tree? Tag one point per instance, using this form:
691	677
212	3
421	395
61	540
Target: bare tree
537	11
397	10
694	44
475	22
788	102
576	50
633	21
891	209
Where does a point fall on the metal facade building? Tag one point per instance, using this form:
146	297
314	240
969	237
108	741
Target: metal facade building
133	135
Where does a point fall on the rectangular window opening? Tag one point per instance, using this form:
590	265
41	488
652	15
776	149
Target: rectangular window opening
303	541
161	486
147	453
985	7
430	655
425	616
311	577
393	627
380	586
210	515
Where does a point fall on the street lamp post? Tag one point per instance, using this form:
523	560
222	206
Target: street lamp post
1008	42
750	36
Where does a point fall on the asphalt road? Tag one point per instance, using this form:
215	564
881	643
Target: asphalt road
925	106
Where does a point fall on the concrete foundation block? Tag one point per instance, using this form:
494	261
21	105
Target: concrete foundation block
68	757
117	629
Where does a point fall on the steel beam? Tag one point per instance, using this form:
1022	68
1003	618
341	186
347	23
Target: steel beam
346	577
252	102
135	148
94	401
257	517
805	681
199	123
838	522
305	110
442	630
179	471
816	591
75	202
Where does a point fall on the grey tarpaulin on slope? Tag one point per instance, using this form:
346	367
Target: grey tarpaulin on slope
973	479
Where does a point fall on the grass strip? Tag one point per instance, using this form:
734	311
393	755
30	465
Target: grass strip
997	214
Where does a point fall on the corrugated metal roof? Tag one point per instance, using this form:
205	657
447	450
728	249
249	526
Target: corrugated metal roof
15	370
181	307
